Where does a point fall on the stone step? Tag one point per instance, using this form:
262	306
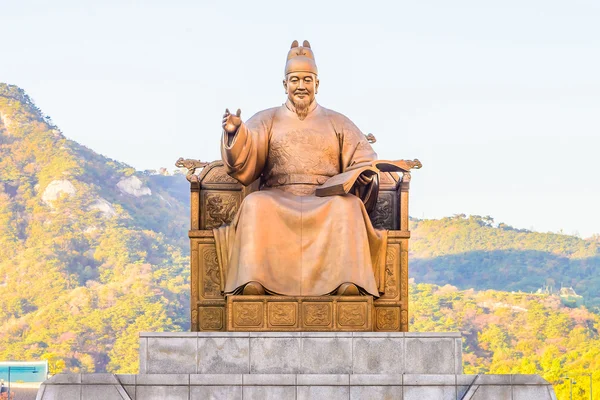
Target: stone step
295	387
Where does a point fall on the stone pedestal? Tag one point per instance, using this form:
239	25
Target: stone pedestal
298	366
300	353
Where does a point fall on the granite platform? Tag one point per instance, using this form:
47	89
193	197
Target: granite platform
298	366
295	387
301	353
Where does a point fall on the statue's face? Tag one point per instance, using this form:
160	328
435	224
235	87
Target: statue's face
301	87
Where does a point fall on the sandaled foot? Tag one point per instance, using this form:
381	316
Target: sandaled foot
253	289
348	289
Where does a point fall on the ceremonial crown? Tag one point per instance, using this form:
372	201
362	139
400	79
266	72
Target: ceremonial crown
300	59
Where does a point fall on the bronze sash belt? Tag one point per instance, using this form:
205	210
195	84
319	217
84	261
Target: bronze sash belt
297	179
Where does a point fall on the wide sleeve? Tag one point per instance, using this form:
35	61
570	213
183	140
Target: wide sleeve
245	154
356	152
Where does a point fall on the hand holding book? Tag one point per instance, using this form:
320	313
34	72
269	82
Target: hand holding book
342	183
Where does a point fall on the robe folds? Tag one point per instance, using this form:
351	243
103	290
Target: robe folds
283	236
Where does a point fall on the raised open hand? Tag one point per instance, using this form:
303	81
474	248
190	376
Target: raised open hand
231	122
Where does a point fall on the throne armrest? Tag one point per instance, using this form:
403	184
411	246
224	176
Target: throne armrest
391	210
215	196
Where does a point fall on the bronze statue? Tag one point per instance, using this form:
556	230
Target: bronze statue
284	239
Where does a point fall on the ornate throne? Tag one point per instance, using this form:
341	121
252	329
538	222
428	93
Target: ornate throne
216	197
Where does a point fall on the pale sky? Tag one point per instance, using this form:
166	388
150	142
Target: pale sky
500	100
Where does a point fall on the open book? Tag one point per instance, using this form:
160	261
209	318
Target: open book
342	183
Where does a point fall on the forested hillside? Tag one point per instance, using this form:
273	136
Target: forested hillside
90	251
93	252
514	333
474	252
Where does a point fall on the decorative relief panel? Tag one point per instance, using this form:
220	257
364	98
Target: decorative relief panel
282	314
248	314
352	315
404	320
211	277
387	318
404	273
297	313
211	318
218	175
382	216
317	314
220	208
194	272
194	317
391	272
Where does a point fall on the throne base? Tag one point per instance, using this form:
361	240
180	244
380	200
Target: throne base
299	313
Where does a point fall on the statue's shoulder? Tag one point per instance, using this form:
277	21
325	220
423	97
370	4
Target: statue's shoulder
262	119
339	120
269	113
331	113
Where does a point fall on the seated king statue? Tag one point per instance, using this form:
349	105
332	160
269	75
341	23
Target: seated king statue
285	240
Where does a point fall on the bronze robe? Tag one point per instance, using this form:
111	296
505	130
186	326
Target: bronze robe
283	236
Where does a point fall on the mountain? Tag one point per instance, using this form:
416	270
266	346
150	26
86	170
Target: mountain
474	252
93	252
514	333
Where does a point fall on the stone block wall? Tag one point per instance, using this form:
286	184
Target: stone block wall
298	366
296	387
301	353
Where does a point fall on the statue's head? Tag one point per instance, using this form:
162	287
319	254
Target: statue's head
301	83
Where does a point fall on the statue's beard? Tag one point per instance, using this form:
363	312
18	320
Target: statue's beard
301	106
